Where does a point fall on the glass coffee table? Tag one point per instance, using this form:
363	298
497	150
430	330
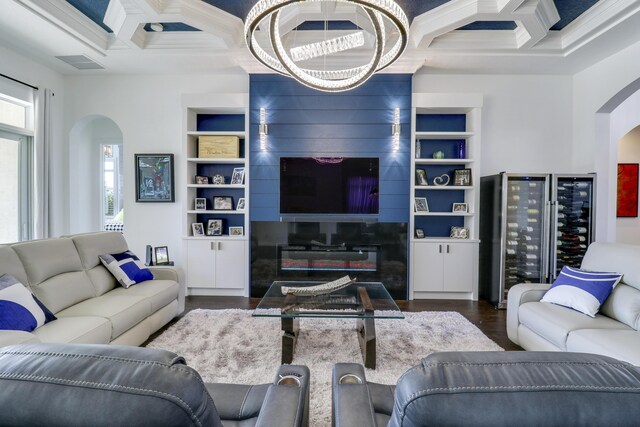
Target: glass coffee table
363	301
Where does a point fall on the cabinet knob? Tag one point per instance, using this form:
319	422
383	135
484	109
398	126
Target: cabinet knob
447	248
439	249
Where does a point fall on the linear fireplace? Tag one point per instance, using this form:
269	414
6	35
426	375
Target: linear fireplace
372	252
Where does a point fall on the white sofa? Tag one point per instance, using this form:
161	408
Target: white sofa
66	275
536	325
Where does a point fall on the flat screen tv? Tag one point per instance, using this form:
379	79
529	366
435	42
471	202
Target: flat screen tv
329	185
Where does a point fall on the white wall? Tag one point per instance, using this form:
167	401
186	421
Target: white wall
597	127
22	68
628	229
526	120
85	180
147	109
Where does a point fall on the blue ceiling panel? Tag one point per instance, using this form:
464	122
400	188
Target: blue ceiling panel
93	9
490	25
570	10
172	26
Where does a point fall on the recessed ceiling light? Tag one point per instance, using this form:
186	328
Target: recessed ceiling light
157	27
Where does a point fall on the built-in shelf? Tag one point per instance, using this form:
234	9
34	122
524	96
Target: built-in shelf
216	185
444	187
443	135
239	134
444	213
223	237
217	211
220	161
443	161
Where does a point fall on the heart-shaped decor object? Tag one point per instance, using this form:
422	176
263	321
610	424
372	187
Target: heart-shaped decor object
441	180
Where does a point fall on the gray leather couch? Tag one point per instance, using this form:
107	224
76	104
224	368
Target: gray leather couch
493	389
536	325
68	278
110	385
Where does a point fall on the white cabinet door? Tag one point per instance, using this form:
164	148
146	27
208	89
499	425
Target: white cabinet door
459	264
230	264
201	264
428	275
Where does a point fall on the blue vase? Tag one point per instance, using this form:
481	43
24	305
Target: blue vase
461	151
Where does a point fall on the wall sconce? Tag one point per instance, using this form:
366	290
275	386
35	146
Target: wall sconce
264	129
395	129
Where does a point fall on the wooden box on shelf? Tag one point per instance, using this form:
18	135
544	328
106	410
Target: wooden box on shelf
218	146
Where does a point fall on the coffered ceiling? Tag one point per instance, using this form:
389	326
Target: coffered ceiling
492	36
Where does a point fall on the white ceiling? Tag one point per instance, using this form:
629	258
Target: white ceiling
44	29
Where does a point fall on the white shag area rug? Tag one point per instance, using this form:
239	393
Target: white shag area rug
230	346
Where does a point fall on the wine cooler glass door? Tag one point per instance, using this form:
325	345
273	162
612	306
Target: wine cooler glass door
573	224
526	230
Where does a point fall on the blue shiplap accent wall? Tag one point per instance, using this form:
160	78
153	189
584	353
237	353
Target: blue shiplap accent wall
306	122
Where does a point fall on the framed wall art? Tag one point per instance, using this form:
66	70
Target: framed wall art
459	233
238	176
236	231
214	227
460	207
162	255
200	204
627	203
421	177
197	228
420	204
462	177
154	178
224	203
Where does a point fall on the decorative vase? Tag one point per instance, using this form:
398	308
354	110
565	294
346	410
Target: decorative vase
438	154
461	150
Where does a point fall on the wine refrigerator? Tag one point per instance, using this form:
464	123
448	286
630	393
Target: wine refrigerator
531	225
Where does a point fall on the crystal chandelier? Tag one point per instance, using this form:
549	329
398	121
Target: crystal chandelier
388	32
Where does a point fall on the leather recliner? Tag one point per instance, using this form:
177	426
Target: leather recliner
493	389
108	385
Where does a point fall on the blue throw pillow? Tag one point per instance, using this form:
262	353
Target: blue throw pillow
584	291
20	310
126	268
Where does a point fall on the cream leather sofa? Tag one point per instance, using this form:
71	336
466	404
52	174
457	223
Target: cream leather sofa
536	325
68	278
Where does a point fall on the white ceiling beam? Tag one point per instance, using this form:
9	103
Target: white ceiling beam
535	18
71	21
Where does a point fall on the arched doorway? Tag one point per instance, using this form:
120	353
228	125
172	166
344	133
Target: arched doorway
616	118
95	159
628	228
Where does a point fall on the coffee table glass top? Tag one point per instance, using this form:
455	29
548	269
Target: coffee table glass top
358	300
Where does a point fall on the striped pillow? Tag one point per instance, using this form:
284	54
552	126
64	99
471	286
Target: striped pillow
584	291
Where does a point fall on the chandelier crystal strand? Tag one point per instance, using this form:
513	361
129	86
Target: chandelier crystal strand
378	11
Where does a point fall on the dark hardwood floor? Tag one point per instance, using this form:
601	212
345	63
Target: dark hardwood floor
489	320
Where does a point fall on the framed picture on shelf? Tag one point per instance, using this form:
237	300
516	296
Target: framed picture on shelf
202	179
223	203
460	207
238	176
154	178
459	233
462	177
241	204
420	204
419	233
200	204
162	255
214	227
421	177
236	231
197	228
